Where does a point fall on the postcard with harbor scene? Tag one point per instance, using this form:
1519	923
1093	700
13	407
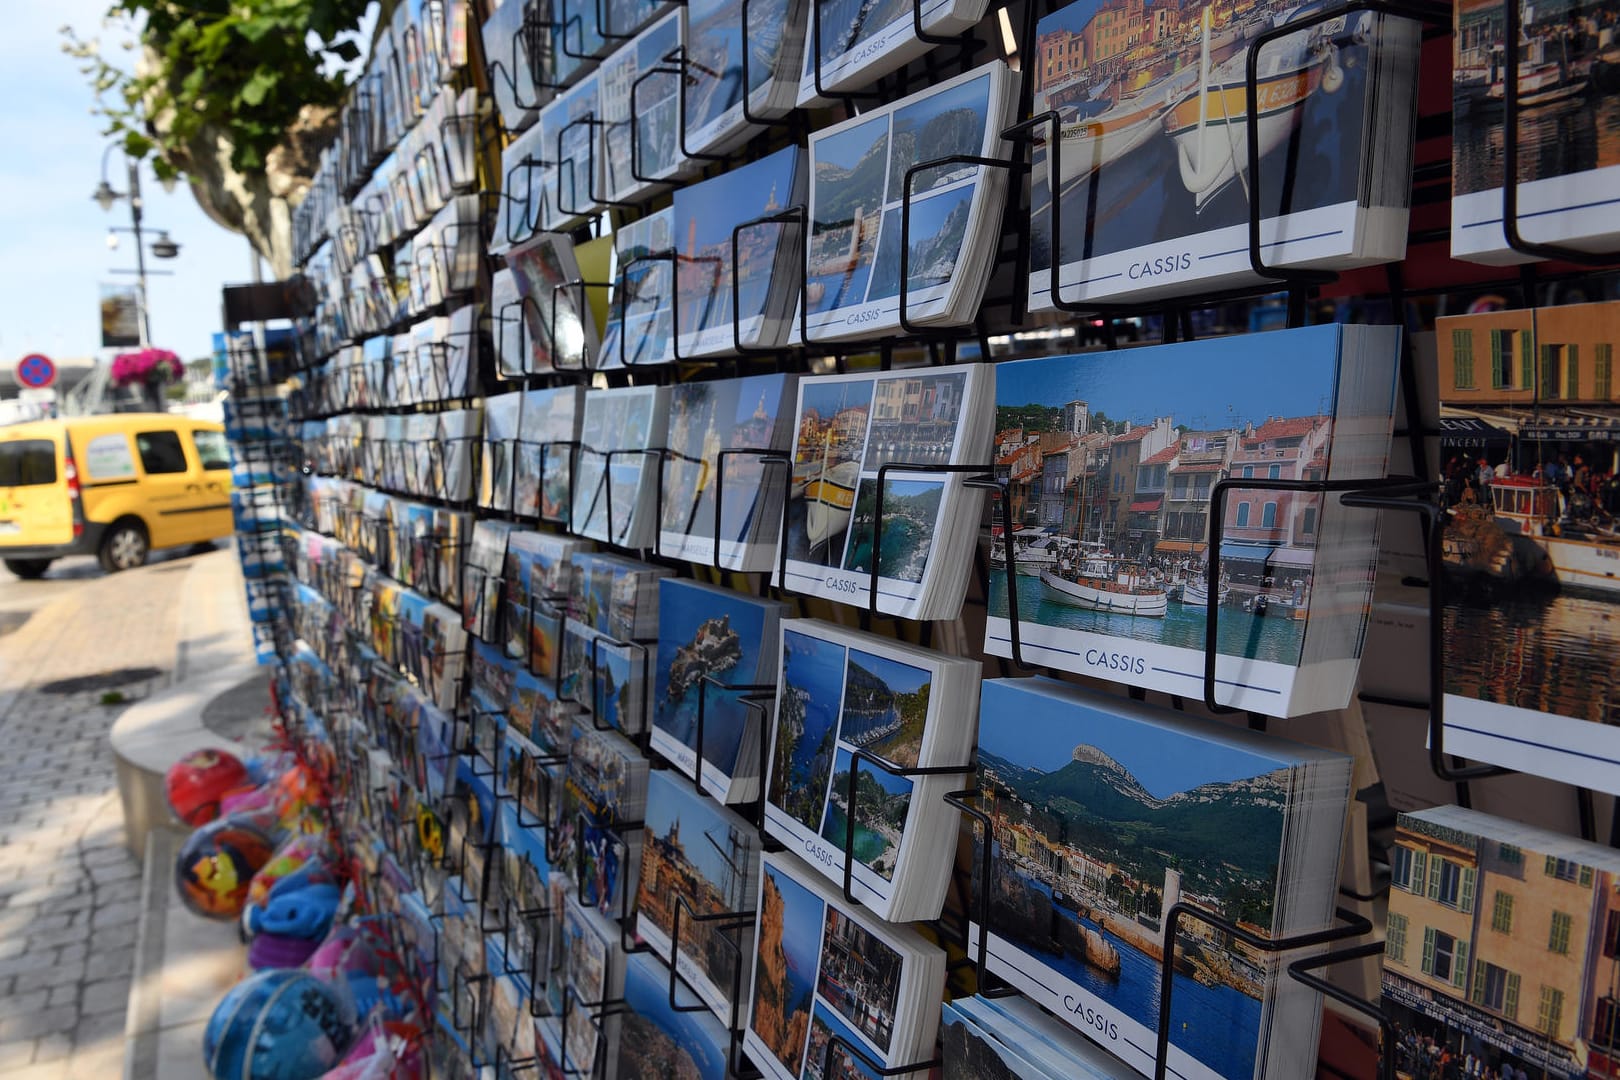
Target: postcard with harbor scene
848	428
833	700
1151	100
696	854
1110	469
1100	823
853	274
816	970
1531	539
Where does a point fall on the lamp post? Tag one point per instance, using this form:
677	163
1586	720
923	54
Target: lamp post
163	247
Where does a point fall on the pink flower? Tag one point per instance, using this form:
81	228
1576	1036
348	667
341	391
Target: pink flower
148	365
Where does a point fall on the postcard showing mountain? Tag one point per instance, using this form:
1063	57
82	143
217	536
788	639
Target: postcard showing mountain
910	522
707	633
1101	821
808	703
787	954
849	171
696	854
657	1042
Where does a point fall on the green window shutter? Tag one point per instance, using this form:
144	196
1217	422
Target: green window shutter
1428	950
1510	998
1434	877
1419	864
1549	372
1551	867
1558	934
1462	359
1477	994
1527	361
1572	372
1603	372
1586	877
1465	899
1499	365
1502	913
1459	965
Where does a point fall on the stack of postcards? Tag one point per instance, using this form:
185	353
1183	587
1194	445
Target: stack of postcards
615	595
543	455
717	656
642	305
1154	193
592	964
701	860
606	785
1111	471
453	463
858	188
1011	1038
723	51
481	585
572	150
639	145
752	416
612	608
1106	815
851	43
512	70
657	1038
851	709
538	576
849	427
615	482
836	992
560	329
502	414
719	305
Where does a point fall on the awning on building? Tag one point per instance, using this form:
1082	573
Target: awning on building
1180	547
1249	552
1574	429
1292	556
1471	433
1147	506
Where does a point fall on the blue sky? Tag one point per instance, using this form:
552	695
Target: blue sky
671	799
723	202
1206	384
1039	732
52	235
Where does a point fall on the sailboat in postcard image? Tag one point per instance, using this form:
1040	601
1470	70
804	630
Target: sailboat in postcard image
829	497
1091	142
1210	125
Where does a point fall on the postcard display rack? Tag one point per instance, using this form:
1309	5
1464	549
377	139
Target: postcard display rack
494	219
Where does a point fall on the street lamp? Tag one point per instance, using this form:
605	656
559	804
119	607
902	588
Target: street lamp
163	247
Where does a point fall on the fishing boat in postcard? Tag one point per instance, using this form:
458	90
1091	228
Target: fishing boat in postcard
1210	125
1533	533
1195	591
1100	581
1091	142
1032	555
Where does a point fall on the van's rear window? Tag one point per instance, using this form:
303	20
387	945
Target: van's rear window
27	462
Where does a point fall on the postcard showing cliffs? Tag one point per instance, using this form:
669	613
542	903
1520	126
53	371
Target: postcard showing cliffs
1101	821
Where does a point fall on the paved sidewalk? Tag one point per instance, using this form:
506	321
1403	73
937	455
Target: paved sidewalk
69	891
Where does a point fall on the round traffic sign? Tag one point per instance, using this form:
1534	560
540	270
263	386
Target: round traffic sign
36	371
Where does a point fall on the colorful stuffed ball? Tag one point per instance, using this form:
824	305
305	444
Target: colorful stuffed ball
195	785
217	863
279	1025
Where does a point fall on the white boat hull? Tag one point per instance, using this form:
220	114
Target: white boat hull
1584	564
1154	604
1196	594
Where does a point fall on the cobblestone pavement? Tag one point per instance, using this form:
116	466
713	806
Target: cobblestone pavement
69	890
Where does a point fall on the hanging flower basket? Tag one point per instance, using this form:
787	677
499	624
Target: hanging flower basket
149	367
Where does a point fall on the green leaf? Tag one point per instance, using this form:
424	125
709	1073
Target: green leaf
258	86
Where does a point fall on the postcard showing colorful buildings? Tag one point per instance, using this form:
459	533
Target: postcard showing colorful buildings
1110	470
704	419
704	860
715	39
646	127
656	1040
1532	540
1149	93
709	634
705	215
848	428
1568	139
1100	823
816	970
851	276
833	700
1500	954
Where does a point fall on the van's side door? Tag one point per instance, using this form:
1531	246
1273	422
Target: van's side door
171	488
213	457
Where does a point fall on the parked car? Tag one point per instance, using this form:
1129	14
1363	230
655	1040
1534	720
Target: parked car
114	486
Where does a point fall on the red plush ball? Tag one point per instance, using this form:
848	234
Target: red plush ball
196	783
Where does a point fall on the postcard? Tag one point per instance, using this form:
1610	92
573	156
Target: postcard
764	279
1532	564
544	462
495	482
715	39
848	427
568	132
705	418
561	329
640	137
1111	469
615	476
657	1040
1116	805
640	311
857	171
703	859
849	44
713	644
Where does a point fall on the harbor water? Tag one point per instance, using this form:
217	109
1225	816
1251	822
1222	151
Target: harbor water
1557	653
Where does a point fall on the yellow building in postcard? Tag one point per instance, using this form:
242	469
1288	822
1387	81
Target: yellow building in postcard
1435	880
1562	355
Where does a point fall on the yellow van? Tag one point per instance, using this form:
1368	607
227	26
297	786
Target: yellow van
112	486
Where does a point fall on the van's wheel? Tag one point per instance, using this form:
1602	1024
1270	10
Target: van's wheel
124	547
29	569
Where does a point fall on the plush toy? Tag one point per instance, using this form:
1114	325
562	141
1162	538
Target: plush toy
195	785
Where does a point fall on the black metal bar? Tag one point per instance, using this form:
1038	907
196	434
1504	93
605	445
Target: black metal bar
765	459
750	691
857	755
979	160
983	476
794	214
